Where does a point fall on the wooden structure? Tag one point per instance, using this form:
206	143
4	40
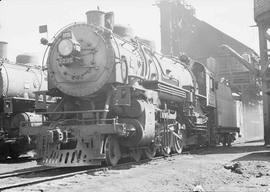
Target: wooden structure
226	57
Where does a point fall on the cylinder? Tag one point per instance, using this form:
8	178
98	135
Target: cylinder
138	134
96	17
34	119
3	49
31	118
135	109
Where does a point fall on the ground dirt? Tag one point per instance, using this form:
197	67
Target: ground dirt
243	167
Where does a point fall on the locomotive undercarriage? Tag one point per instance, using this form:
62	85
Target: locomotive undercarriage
15	110
91	144
74	145
133	123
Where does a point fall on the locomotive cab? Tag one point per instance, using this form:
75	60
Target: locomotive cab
205	84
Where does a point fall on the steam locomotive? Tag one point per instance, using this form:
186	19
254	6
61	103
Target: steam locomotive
18	81
116	97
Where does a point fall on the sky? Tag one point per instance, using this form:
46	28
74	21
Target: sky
19	19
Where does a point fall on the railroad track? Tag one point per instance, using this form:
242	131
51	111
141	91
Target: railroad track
67	173
49	178
14	174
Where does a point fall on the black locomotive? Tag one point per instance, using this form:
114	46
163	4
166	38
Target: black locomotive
18	81
117	97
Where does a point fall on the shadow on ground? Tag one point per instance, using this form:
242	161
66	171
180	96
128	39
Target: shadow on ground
256	156
238	148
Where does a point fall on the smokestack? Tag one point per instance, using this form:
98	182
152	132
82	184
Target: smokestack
96	17
3	49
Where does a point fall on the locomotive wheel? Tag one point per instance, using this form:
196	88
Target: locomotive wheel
224	140
14	151
14	154
229	140
4	150
167	144
150	152
136	154
178	144
112	150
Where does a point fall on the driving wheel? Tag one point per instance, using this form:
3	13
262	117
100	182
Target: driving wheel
112	150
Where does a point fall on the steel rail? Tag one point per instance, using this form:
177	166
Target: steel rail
14	174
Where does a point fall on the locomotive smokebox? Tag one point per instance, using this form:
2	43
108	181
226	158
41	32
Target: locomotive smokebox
3	49
96	17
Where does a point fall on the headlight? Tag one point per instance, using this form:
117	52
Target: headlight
65	47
